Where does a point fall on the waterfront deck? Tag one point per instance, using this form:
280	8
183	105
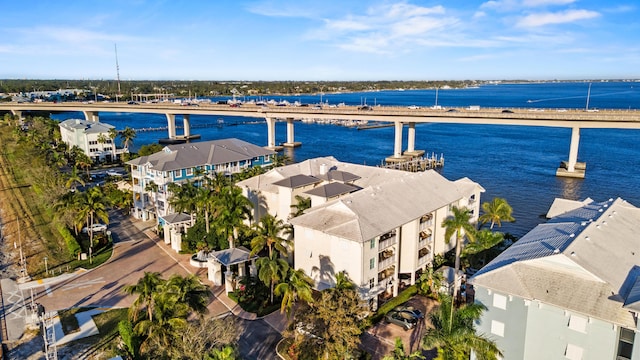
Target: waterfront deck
414	164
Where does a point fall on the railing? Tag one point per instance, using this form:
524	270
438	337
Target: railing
383	244
384	264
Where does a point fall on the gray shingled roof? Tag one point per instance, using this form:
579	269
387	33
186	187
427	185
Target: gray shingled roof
89	127
233	256
374	210
214	152
176	218
579	260
296	181
337	175
332	189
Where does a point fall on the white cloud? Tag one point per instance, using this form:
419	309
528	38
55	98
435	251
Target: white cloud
479	14
563	17
535	3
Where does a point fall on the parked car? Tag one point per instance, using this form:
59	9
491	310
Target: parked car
401	318
413	107
365	107
97	227
410	310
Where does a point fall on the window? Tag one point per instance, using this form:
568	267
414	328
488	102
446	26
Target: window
573	352
578	323
176	173
372	283
625	343
189	171
500	301
497	328
372	243
372	263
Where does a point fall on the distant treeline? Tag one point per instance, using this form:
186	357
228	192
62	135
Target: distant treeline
218	88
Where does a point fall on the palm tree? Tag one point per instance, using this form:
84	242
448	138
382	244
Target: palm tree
93	204
454	335
398	353
84	162
268	232
113	134
127	135
183	197
204	201
271	270
296	286
495	212
233	209
302	204
189	291
430	282
459	223
74	178
145	288
485	240
169	319
343	282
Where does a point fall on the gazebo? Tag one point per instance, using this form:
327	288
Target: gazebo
174	225
227	257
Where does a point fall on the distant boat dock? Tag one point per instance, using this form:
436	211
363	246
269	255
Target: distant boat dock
416	164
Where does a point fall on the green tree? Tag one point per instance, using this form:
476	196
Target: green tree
398	353
145	289
485	240
227	352
168	321
271	270
330	329
297	286
268	231
129	338
302	204
146	150
495	212
189	290
84	162
430	282
458	223
72	178
127	135
233	209
93	204
454	335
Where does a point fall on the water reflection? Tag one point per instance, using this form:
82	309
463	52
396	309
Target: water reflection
571	188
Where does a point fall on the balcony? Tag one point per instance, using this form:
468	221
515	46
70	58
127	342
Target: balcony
383	264
387	240
386	273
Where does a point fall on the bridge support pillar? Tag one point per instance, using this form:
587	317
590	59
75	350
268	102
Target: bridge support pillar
17	113
573	168
411	142
187	125
271	135
171	125
91	116
290	135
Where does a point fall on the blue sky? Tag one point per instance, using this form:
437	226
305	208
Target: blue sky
321	40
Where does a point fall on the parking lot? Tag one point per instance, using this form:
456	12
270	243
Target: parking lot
379	340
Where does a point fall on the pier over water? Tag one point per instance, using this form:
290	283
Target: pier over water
393	115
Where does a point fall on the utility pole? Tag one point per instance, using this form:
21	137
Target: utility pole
117	71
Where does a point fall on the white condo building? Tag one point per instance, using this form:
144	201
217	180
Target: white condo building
568	289
378	225
92	138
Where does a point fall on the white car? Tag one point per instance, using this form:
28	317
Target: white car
97	227
413	107
114	173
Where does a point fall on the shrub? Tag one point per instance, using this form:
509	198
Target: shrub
69	239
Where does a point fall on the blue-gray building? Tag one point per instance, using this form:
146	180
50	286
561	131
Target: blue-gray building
570	288
184	162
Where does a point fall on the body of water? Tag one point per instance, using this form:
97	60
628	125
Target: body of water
514	162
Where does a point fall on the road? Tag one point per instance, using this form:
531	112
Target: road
134	253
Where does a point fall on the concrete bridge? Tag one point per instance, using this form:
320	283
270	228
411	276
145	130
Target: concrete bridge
398	116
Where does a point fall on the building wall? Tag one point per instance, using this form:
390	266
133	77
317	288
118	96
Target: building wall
533	330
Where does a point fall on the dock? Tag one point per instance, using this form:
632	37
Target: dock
416	164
